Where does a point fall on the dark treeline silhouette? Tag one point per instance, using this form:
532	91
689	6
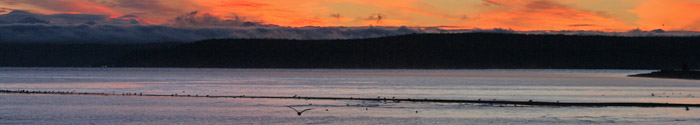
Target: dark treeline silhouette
428	51
67	54
414	51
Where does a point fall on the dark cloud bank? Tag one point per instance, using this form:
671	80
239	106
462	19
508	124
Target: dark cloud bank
21	26
25	27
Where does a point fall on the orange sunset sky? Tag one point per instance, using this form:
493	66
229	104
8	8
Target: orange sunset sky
522	15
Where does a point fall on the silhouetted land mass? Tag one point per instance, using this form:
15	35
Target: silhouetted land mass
429	51
671	74
67	54
413	51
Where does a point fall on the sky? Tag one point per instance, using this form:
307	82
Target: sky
520	15
124	21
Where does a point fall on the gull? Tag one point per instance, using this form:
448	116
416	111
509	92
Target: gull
299	112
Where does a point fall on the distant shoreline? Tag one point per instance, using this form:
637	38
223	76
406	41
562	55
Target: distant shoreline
671	74
378	99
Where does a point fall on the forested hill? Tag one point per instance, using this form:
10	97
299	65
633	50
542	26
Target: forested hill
429	51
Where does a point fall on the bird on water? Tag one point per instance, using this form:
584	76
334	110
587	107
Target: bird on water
299	112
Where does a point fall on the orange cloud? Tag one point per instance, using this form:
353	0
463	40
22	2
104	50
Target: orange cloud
542	15
286	13
668	15
314	13
71	6
515	14
91	8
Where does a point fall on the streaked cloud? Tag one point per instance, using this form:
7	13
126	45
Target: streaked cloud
668	14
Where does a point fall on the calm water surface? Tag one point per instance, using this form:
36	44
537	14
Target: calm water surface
519	85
